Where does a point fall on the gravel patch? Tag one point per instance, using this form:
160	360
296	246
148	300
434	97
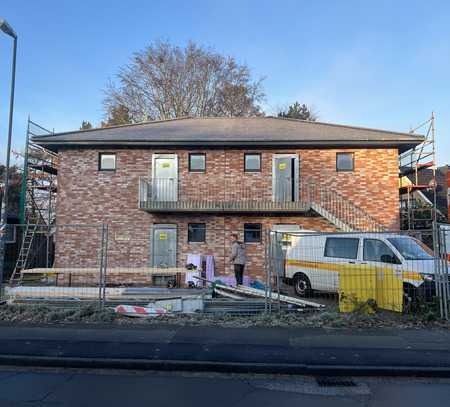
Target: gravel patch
24	313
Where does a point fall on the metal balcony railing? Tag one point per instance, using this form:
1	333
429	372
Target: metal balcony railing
171	194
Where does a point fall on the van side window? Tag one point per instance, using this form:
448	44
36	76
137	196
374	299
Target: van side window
344	248
376	250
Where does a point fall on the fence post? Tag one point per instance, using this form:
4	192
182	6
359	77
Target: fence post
444	269
439	283
266	269
278	264
105	265
270	264
47	248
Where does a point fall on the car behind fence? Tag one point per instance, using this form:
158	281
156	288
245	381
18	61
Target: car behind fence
396	271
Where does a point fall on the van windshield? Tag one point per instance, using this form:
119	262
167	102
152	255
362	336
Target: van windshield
410	249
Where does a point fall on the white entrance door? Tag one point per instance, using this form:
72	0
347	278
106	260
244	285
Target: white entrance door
165	177
285	173
164	245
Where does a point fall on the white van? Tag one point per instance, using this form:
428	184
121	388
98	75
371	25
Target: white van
313	262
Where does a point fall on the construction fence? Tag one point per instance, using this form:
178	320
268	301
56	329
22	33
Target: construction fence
394	271
402	272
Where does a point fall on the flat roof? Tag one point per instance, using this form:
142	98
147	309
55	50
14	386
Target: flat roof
210	132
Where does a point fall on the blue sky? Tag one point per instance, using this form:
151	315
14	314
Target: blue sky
380	64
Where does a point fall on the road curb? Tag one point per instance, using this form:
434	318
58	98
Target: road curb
223	367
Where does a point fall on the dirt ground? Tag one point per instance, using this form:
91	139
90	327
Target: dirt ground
22	313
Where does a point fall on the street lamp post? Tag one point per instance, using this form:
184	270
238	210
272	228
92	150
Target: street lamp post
8	30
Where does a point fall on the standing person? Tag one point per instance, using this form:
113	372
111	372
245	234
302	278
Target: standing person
238	258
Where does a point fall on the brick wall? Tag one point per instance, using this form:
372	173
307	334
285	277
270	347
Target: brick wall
89	196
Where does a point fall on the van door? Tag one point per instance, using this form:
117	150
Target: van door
340	253
379	258
377	253
285	173
163	250
165	177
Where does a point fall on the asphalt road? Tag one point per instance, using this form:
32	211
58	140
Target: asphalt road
55	388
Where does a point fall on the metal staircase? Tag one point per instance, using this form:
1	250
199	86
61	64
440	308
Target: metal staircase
337	209
24	254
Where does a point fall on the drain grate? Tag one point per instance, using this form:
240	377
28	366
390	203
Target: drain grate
334	382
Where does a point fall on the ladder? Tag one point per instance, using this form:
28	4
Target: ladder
22	259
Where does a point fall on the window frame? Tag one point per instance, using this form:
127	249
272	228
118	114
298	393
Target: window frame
100	154
204	232
189	162
245	162
246	227
353	162
342	238
379	261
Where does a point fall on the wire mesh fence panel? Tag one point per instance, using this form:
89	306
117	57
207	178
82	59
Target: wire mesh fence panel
402	272
57	263
166	254
392	271
183	259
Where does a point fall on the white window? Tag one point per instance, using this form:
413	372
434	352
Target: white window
107	162
252	162
345	162
197	162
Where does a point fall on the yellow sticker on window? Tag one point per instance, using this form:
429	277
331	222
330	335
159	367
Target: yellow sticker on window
165	165
163	236
282	166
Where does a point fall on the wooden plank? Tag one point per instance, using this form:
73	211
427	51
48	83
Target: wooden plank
109	271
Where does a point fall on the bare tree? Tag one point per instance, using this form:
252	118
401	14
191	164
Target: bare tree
166	81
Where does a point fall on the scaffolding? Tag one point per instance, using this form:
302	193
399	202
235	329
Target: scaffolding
39	182
37	199
418	186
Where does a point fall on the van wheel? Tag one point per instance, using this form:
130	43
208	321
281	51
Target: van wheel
413	297
302	285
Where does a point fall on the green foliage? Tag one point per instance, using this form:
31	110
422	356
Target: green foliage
85	125
299	111
117	115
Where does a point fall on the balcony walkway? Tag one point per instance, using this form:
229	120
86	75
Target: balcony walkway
169	195
224	207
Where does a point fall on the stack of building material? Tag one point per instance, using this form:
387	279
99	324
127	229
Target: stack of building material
248	306
129	295
242	292
115	276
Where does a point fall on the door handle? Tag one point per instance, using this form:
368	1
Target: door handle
352	262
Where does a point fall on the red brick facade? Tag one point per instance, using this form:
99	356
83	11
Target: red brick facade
89	196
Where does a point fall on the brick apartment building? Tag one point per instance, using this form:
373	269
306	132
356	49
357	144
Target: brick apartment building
177	187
